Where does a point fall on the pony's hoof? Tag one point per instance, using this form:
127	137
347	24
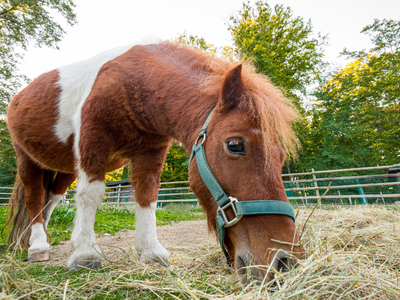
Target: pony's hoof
88	261
39	255
156	261
156	258
85	264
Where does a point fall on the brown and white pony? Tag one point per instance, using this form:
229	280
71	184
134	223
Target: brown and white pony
85	119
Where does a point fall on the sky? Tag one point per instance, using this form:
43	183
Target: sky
108	24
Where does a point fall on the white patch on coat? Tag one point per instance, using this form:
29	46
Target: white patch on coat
88	197
76	81
146	242
38	238
54	199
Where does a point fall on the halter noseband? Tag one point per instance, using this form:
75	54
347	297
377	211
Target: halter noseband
240	208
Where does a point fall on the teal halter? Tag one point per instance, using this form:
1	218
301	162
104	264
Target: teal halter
240	208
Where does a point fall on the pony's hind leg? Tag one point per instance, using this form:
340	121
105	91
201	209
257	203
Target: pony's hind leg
146	181
56	193
31	175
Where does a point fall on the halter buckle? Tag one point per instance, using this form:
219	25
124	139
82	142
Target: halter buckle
199	137
221	211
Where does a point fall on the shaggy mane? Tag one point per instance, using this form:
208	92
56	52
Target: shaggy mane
264	103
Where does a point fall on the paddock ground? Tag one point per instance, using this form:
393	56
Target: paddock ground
176	237
350	253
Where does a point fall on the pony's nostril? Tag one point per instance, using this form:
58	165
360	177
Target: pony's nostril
242	261
283	264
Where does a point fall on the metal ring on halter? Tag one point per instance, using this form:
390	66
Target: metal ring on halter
221	211
199	137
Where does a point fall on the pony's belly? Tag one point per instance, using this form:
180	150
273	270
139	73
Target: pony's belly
51	154
60	157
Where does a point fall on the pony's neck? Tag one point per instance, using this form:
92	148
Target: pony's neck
166	97
179	113
189	120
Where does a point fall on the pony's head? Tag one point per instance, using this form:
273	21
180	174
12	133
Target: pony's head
247	138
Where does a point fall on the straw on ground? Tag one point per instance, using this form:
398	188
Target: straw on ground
350	253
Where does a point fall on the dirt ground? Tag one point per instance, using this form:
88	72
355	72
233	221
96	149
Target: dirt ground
175	238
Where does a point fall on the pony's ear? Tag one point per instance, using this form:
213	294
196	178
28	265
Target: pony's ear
231	90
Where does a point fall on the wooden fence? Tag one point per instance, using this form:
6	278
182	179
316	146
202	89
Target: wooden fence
348	186
303	188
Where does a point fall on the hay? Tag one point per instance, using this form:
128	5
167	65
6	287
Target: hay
350	253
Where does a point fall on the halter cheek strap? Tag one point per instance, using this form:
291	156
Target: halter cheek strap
240	208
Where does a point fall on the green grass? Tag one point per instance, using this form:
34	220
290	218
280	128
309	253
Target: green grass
121	279
3	243
109	220
349	253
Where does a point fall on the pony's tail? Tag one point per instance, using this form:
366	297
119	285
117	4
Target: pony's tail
17	213
17	216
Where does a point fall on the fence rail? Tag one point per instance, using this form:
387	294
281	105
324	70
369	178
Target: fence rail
356	184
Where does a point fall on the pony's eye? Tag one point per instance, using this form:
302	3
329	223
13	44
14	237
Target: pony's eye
235	146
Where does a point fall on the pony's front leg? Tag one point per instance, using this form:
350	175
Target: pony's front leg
146	171
88	197
146	241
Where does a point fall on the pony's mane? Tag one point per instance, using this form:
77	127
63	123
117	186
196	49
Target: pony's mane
263	103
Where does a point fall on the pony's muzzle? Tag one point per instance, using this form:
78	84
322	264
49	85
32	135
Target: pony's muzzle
249	270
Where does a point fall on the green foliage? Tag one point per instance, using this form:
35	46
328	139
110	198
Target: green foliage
176	164
196	42
8	161
201	44
280	45
23	21
3	239
3	231
3	210
359	112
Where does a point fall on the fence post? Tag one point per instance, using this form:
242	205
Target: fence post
383	200
119	193
361	192
290	194
340	198
398	179
315	184
294	200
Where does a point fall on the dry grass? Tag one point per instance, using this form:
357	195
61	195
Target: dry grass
351	253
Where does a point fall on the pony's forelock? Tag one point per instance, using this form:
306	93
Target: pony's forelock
262	102
273	112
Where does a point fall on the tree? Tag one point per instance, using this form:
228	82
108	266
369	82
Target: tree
8	162
361	103
201	44
280	45
23	22
176	164
196	42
